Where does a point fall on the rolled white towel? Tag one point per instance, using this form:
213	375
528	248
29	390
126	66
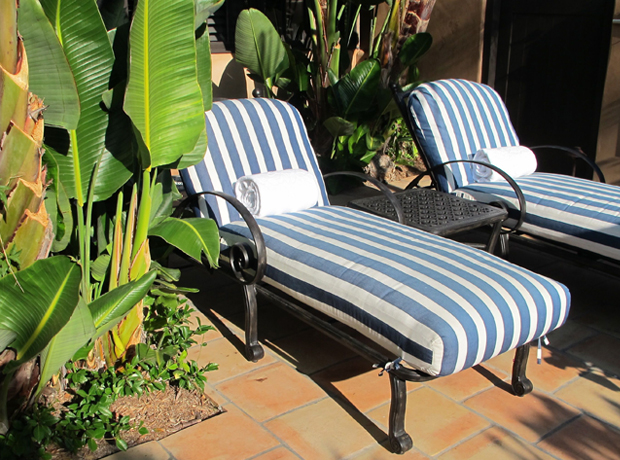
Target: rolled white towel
516	161
277	192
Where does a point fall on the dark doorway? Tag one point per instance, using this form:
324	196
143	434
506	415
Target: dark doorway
548	61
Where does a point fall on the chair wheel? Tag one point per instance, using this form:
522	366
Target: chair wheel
254	352
523	386
401	444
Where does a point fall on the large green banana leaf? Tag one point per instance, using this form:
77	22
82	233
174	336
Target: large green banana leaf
37	308
76	333
193	236
203	65
83	36
259	47
163	97
355	90
111	307
50	76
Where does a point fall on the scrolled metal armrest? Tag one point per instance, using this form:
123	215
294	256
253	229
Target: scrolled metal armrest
380	185
510	180
574	153
240	259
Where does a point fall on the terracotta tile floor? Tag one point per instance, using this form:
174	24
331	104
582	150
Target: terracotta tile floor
310	398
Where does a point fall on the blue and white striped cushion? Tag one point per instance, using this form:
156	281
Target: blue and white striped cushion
440	305
577	212
455	118
249	136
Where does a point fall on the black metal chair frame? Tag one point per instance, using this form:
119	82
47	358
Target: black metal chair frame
566	251
247	263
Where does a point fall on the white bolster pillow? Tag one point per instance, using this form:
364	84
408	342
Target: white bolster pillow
516	161
277	192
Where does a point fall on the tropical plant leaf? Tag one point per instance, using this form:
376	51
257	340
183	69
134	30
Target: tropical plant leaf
50	76
338	126
193	236
66	343
204	9
414	48
163	97
39	311
163	194
203	66
353	92
111	307
58	205
89	53
259	47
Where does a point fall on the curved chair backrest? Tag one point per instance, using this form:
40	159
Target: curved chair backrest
249	136
452	119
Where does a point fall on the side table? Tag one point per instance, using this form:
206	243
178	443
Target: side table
438	213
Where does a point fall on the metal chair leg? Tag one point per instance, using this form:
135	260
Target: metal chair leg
521	385
253	350
400	441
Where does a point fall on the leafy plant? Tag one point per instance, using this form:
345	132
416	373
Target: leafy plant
343	100
87	417
110	127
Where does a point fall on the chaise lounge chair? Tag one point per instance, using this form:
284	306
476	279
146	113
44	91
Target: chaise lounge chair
452	119
418	305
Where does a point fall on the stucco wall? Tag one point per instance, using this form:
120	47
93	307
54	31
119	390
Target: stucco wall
457	27
229	79
608	150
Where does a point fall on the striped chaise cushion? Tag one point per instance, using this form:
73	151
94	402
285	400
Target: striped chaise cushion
453	119
577	212
249	136
439	305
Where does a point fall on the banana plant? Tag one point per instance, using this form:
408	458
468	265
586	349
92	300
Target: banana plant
25	227
113	126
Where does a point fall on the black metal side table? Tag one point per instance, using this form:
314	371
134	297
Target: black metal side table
438	213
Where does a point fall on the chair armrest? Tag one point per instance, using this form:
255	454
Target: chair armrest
239	254
576	154
380	185
510	180
415	182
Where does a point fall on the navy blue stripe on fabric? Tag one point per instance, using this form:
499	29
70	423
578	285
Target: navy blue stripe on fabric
329	298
